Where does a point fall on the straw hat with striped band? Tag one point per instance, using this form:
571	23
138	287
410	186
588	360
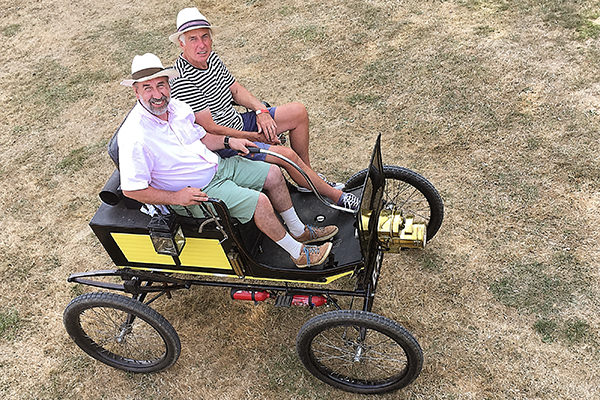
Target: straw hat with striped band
189	19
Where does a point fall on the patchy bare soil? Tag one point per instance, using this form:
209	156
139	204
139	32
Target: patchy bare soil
497	102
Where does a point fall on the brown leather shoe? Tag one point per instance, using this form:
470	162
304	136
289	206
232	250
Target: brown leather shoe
312	255
316	234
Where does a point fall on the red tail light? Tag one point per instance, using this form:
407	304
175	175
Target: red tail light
308	300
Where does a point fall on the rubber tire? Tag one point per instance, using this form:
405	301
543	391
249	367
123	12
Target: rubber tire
83	303
392	172
363	319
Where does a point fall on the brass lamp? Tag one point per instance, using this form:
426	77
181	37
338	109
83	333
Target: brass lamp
166	235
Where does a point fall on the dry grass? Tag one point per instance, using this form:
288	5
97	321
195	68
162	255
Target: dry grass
496	101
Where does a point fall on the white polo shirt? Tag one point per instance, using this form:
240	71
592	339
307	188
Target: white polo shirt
166	155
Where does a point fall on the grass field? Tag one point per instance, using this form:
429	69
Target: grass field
496	102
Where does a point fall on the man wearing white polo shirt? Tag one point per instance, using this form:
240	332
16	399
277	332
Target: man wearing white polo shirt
165	158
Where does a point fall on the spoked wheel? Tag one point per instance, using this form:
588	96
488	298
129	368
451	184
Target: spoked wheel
409	192
359	351
122	332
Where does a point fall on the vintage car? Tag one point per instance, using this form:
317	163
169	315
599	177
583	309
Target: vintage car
350	348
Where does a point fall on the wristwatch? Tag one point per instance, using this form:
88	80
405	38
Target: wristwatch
264	110
226	142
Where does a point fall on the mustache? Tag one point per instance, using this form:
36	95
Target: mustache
157	101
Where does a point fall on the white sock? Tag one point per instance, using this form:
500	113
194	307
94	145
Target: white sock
295	226
290	245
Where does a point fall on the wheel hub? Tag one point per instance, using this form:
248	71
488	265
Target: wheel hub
124	331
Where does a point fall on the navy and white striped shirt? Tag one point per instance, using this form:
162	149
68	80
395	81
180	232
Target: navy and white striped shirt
207	88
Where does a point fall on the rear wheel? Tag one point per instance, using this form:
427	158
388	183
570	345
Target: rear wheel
410	193
122	332
359	351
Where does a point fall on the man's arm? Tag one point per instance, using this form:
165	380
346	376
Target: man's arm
243	97
264	121
185	197
216	142
204	119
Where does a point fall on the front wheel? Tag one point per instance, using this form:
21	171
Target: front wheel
122	332
359	351
410	193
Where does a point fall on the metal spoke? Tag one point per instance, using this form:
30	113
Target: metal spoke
408	198
380	359
104	326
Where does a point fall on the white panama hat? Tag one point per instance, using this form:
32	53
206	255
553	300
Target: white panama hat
146	67
189	19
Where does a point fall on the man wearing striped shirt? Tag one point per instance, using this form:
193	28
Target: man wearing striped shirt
208	88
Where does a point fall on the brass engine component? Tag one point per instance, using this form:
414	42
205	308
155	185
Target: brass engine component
397	232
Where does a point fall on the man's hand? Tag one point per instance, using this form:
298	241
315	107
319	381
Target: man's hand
241	145
255	137
261	137
266	124
189	196
264	121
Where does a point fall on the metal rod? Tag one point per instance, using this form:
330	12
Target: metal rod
305	290
186	283
315	191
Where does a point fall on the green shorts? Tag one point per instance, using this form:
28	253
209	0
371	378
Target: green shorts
237	183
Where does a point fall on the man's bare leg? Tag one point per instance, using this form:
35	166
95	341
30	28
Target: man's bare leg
276	190
266	220
293	117
280	199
